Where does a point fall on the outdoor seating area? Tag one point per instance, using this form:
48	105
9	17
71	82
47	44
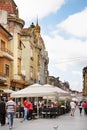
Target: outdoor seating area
53	112
45	112
43	106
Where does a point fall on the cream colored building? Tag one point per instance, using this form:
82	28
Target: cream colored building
11	21
30	60
34	56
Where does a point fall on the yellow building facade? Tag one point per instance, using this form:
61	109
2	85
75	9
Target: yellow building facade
28	62
10	20
6	58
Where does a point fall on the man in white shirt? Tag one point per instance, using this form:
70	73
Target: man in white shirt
73	107
11	109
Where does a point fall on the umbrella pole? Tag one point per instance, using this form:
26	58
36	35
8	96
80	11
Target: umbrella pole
47	101
37	108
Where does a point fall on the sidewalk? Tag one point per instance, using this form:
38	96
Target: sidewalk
64	122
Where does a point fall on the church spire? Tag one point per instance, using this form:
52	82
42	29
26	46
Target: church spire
37	21
37	28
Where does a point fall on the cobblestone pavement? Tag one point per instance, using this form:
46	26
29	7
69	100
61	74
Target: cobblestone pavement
64	122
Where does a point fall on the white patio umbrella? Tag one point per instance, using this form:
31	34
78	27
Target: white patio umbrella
57	89
8	91
35	90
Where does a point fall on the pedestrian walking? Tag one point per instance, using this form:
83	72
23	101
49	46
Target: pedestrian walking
30	110
25	105
80	105
11	109
72	107
85	107
2	112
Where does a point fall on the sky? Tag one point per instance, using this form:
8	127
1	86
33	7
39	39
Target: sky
64	31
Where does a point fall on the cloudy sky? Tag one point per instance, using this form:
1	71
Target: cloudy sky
64	30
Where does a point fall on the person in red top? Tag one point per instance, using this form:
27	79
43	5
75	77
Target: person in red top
85	107
30	110
26	105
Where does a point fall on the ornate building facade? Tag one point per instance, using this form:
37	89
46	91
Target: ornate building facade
6	57
37	57
29	63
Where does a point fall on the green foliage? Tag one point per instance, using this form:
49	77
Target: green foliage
63	102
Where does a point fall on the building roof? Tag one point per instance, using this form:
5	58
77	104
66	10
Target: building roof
9	6
8	1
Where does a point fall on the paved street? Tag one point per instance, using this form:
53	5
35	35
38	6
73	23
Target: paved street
64	122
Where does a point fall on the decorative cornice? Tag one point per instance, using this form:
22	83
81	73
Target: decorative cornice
17	20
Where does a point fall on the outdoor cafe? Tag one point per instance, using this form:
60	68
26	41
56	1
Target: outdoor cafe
37	91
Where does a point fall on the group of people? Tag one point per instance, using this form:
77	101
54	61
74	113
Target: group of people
7	109
82	105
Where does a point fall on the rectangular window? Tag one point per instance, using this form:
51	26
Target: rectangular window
19	42
19	66
19	45
7	70
2	45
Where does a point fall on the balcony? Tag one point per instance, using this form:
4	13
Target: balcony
18	78
4	52
3	79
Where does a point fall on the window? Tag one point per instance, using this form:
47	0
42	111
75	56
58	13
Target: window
19	46
2	45
19	42
7	70
19	66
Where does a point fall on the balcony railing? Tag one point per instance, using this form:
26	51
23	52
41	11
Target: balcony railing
18	78
6	51
3	78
